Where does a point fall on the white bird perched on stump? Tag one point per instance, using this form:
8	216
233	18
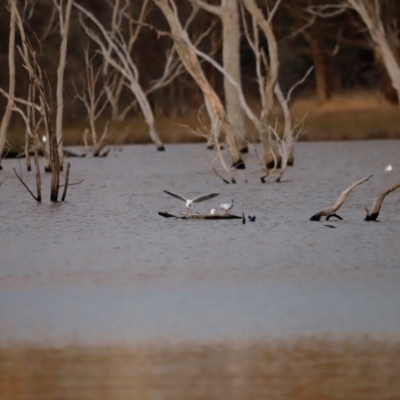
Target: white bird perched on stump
213	211
226	206
190	203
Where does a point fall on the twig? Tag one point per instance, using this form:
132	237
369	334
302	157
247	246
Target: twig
74	183
26	186
219	176
66	182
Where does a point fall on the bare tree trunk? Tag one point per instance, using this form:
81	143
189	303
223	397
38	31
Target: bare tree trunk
320	61
265	25
32	119
192	65
55	165
11	86
28	66
370	12
64	28
228	12
389	92
231	62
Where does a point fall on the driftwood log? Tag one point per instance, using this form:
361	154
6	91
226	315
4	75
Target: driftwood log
330	212
378	202
199	216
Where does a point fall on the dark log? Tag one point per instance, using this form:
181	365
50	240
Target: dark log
199	216
333	215
66	182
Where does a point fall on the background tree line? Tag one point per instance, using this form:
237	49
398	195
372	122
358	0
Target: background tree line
339	47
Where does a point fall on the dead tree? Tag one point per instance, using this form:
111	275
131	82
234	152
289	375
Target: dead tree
378	203
228	12
370	12
42	86
31	133
31	122
94	98
11	85
64	13
291	131
330	212
187	53
272	68
213	136
117	52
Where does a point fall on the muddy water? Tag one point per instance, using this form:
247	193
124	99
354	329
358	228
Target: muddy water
281	303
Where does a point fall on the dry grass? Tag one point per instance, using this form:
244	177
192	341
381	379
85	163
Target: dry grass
349	116
301	369
355	115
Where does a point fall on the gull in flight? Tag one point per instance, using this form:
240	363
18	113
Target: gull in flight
190	203
226	206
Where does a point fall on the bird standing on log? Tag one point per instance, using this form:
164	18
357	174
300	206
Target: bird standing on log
226	206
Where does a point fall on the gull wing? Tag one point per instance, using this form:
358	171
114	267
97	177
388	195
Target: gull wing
205	197
177	196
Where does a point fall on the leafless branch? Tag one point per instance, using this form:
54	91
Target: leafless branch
38	199
66	182
342	198
378	202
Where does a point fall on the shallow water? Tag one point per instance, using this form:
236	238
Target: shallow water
104	268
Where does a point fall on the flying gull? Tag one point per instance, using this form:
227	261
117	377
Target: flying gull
190	203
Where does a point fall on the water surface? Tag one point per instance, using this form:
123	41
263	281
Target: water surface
104	269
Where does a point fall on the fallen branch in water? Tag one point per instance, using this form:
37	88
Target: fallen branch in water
330	212
199	216
378	202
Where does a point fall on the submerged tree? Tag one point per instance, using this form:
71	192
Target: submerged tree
228	12
187	53
11	85
64	13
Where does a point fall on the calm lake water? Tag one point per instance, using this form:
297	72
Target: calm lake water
101	295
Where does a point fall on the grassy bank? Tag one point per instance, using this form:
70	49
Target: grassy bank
348	116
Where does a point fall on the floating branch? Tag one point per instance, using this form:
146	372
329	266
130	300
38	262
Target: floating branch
199	216
378	202
330	212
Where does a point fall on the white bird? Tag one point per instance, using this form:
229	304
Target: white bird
213	211
190	203
388	168
226	206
